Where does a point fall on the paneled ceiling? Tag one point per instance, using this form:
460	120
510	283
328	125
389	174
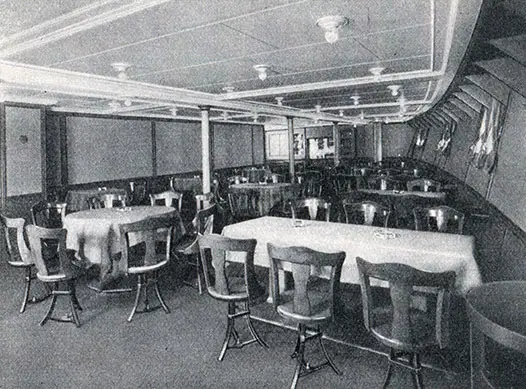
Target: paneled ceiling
186	54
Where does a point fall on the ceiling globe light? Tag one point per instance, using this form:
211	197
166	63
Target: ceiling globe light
262	71
120	68
228	89
362	115
341	112
279	100
128	103
376	72
355	99
331	25
317	107
173	111
395	89
224	115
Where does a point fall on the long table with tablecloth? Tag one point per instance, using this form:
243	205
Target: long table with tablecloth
429	251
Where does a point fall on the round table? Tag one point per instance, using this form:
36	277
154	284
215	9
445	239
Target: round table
496	310
95	235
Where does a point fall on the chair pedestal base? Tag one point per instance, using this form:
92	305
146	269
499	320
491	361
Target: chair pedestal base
412	363
143	281
231	332
29	276
303	368
72	317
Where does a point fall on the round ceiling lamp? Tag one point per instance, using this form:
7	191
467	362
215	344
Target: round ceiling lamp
355	99
395	89
121	68
331	25
376	72
262	71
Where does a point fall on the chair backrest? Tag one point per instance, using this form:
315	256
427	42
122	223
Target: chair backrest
137	192
111	200
308	297
311	184
215	250
168	198
51	266
310	208
48	214
439	219
237	179
424	185
243	204
368	213
94	202
402	281
150	231
15	240
385	183
204	220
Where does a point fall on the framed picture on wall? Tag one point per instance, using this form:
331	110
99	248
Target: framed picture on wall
299	146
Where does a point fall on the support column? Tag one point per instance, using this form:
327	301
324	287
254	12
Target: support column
290	127
205	148
377	140
336	138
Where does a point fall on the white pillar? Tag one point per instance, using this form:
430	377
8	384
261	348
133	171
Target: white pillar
290	127
336	138
205	148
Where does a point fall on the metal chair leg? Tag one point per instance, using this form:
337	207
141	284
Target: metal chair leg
328	358
251	328
160	297
27	287
417	372
389	369
50	310
300	362
137	297
74	314
229	331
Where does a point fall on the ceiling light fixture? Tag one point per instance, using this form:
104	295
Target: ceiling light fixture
331	25
355	99
341	113
362	115
173	111
317	107
228	89
376	72
120	68
395	89
224	115
256	117
262	71
279	100
114	105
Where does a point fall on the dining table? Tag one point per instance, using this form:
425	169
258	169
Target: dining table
428	251
268	194
94	234
77	199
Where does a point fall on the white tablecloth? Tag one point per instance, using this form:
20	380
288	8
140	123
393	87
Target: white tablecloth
429	251
95	233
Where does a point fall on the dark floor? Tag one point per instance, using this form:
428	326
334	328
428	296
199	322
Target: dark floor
180	349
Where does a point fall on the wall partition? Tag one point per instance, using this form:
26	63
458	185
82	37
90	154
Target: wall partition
100	149
178	146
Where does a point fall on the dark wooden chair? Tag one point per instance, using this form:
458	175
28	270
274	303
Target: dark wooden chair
239	291
312	302
48	214
110	200
168	198
243	204
424	185
188	247
94	202
19	255
311	182
405	330
145	262
368	213
439	219
313	208
137	194
60	271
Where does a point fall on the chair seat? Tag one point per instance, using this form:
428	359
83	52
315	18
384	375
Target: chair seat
422	333
146	268
237	290
319	307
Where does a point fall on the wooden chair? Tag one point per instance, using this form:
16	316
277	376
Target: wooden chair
188	246
312	302
368	213
168	198
61	271
424	185
137	192
311	184
146	263
309	208
110	200
243	204
48	214
439	219
19	255
405	330
240	292
94	202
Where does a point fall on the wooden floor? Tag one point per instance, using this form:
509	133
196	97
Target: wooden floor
180	349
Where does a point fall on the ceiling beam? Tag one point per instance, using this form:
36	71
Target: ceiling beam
470	101
510	72
462	106
514	46
490	84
